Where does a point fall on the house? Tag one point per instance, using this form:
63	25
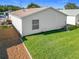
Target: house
36	20
73	16
2	17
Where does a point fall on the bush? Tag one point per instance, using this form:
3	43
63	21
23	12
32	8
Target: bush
72	27
9	21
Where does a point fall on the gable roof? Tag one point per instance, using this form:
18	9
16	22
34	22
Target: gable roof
71	12
26	12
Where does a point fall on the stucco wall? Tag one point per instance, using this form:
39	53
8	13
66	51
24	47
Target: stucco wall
48	20
71	20
17	23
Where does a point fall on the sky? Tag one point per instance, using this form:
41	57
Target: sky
44	3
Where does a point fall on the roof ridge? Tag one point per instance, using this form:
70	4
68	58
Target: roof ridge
27	12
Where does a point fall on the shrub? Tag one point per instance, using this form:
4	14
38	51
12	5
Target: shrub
9	21
72	27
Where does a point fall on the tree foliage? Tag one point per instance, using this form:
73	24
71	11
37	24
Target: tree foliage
8	7
32	5
71	6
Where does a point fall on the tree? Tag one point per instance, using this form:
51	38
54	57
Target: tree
71	6
4	8
32	5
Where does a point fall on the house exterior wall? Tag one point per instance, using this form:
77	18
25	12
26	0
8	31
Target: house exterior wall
17	23
48	20
77	19
71	20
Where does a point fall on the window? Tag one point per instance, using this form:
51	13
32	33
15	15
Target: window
35	24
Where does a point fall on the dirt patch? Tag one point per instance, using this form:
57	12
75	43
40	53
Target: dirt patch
11	46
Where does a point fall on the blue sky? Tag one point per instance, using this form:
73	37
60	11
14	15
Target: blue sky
44	3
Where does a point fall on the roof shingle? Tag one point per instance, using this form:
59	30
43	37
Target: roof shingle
71	12
24	12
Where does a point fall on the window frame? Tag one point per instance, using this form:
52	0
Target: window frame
35	24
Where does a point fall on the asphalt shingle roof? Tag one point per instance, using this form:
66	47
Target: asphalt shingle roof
71	12
24	12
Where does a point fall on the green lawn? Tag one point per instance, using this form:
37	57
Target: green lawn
5	27
61	45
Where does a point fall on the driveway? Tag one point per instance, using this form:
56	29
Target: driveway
10	45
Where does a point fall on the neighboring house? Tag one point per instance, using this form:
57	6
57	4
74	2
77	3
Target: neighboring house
35	20
73	16
2	17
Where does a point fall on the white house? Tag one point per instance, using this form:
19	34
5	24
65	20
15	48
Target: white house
35	20
2	17
73	16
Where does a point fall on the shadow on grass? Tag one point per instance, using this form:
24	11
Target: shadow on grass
45	33
24	38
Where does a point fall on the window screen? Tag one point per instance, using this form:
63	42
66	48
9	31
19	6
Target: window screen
35	24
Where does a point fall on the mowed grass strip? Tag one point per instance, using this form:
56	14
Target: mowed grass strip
61	45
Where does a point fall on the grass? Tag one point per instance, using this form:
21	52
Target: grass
61	45
5	27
